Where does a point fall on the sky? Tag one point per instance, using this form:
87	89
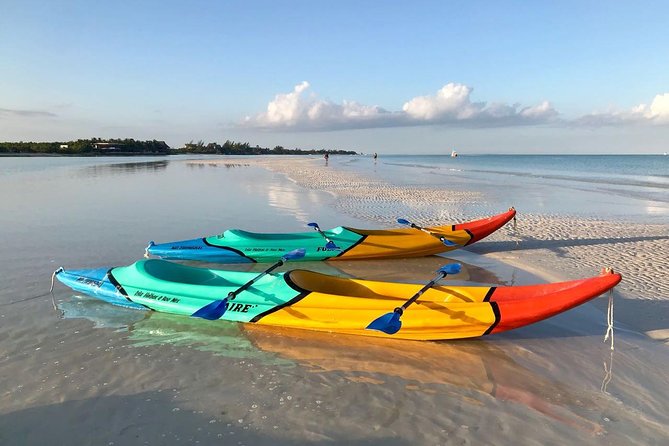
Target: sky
376	76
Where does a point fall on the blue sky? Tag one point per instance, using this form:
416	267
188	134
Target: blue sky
390	77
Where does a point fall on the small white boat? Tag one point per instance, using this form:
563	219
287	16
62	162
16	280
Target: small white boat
454	154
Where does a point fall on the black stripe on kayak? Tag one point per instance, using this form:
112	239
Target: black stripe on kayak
362	239
471	236
303	293
236	251
118	286
498	317
121	290
488	295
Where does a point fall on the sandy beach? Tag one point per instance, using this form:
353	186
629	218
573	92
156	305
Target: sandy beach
552	246
91	373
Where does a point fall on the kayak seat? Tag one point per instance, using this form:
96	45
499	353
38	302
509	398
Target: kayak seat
174	272
239	234
322	283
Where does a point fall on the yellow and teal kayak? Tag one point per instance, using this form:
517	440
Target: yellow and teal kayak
315	301
341	243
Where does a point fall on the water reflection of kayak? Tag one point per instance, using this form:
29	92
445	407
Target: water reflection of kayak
479	366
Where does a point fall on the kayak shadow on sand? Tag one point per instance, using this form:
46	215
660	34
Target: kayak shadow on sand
555	245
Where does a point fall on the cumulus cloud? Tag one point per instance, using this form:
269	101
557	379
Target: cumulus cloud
451	105
657	113
26	113
658	110
296	110
452	101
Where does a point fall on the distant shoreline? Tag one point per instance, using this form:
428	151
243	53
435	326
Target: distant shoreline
134	154
78	155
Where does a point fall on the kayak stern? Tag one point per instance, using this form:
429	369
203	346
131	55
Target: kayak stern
96	283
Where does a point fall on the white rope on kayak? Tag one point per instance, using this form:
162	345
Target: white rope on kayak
609	314
608	374
515	227
53	277
146	250
609	320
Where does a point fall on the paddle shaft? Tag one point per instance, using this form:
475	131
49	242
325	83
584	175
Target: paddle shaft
317	228
415	297
247	285
440	237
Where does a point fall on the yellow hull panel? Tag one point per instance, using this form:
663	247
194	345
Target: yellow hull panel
350	305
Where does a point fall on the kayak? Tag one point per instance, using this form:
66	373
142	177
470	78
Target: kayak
340	243
315	301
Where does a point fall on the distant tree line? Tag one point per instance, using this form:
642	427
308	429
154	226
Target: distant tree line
129	146
94	146
244	148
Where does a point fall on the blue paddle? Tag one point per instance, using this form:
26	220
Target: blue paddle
330	244
390	323
443	239
216	309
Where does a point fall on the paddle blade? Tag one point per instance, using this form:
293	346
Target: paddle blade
294	254
313	225
451	268
448	243
212	311
389	323
331	245
403	222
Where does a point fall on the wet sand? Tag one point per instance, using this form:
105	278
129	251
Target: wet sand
95	374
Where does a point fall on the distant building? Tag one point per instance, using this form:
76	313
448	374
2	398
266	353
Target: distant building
63	146
107	145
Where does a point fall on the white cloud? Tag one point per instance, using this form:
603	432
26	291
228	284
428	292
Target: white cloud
451	105
452	101
294	110
656	113
285	108
26	113
541	111
659	108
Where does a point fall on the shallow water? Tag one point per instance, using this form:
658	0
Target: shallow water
89	373
616	186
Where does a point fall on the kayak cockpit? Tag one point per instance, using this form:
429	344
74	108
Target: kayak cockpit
340	286
174	272
240	234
